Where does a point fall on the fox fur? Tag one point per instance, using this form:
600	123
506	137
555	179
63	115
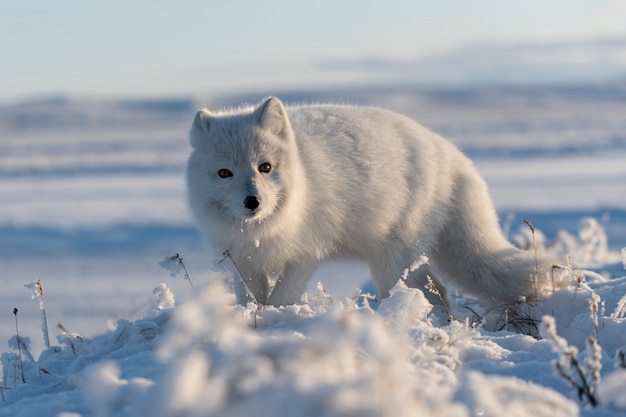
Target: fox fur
283	188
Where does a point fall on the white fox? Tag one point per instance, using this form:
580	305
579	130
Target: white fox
284	188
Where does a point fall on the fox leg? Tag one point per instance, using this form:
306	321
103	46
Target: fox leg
250	284
387	271
292	283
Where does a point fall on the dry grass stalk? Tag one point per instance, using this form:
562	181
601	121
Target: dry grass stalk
243	281
432	288
37	288
19	350
593	306
536	276
177	260
512	318
70	338
568	367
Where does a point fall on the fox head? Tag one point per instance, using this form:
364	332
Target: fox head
241	165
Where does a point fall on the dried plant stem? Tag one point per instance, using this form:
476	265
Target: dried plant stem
187	277
583	390
568	367
179	259
432	288
37	288
174	264
536	276
593	362
243	281
512	317
594	306
19	350
71	337
44	320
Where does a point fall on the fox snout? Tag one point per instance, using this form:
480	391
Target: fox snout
252	202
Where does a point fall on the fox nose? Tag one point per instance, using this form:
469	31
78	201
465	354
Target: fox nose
251	202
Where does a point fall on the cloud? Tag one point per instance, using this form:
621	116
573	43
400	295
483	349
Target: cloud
507	62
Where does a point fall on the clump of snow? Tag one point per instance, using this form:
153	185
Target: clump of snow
340	360
422	260
490	395
164	298
22	345
107	392
173	264
611	390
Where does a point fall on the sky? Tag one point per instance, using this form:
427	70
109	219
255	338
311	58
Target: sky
156	48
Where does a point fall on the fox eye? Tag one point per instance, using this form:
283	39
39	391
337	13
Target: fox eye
265	167
224	173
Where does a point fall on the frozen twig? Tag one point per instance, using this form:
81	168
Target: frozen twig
536	275
174	264
19	350
243	281
568	367
365	298
593	362
69	338
323	298
432	288
37	288
620	309
514	318
594	303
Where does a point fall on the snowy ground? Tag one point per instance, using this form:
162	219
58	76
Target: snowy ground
92	199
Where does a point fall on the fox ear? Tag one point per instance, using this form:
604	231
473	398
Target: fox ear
202	120
272	116
201	125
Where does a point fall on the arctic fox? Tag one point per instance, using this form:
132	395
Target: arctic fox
284	188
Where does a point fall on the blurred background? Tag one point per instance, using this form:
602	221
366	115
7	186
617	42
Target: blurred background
96	99
202	49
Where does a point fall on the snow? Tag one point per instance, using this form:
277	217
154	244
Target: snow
103	233
209	357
